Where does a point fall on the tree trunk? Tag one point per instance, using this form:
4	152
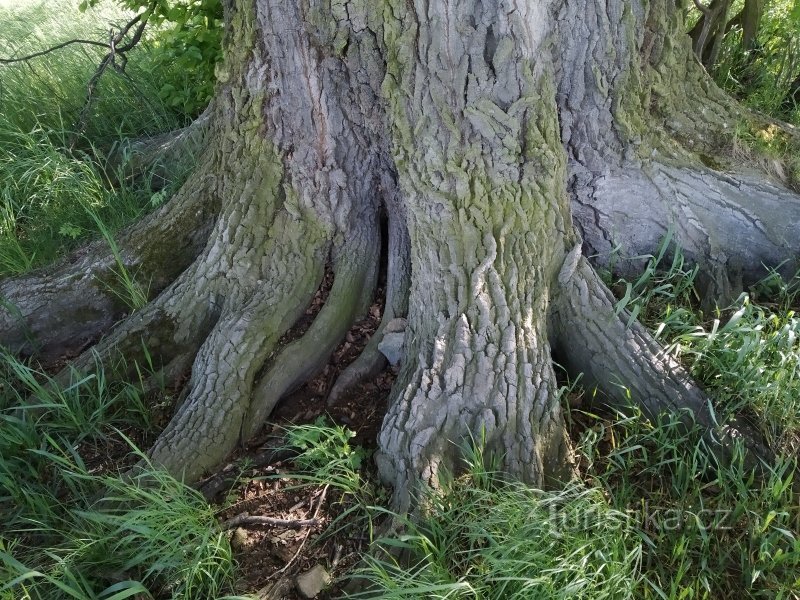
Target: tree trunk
502	142
751	20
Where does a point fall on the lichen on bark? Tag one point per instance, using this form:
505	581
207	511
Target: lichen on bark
502	141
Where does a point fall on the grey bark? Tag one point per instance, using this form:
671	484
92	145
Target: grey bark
371	361
737	225
498	137
60	309
639	119
316	197
483	180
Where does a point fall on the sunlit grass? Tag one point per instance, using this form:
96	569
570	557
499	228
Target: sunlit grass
52	177
71	531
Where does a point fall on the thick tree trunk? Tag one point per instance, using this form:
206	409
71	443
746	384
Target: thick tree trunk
476	140
651	143
503	142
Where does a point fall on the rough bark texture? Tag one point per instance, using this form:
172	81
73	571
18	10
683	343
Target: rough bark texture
482	171
503	142
641	121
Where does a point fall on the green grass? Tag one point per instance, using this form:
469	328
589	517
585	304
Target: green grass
486	538
479	536
710	530
49	92
49	195
747	355
68	530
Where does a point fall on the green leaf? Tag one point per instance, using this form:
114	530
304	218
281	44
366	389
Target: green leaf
794	15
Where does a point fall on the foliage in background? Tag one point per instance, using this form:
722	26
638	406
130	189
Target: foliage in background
49	196
188	43
766	77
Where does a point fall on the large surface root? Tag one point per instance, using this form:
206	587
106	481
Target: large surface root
735	226
354	281
626	365
207	425
59	310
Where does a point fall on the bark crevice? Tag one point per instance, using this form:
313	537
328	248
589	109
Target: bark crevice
398	279
355	275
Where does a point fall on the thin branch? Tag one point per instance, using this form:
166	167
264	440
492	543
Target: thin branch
245	519
124	31
136	36
706	10
109	59
8	61
115	51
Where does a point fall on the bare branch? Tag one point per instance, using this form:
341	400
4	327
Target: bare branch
8	61
245	519
109	59
706	10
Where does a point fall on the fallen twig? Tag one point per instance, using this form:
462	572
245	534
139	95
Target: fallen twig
245	519
305	537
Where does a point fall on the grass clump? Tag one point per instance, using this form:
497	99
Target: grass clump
482	536
72	530
325	457
747	355
711	530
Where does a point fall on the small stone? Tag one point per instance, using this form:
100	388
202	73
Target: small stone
391	346
239	538
395	326
313	581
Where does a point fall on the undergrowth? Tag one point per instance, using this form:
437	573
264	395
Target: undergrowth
747	355
484	537
72	529
52	175
709	530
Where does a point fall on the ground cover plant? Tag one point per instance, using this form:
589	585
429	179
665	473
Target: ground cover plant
649	509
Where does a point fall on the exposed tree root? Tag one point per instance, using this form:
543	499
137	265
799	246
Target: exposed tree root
627	365
56	311
733	225
207	426
350	296
371	361
162	156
